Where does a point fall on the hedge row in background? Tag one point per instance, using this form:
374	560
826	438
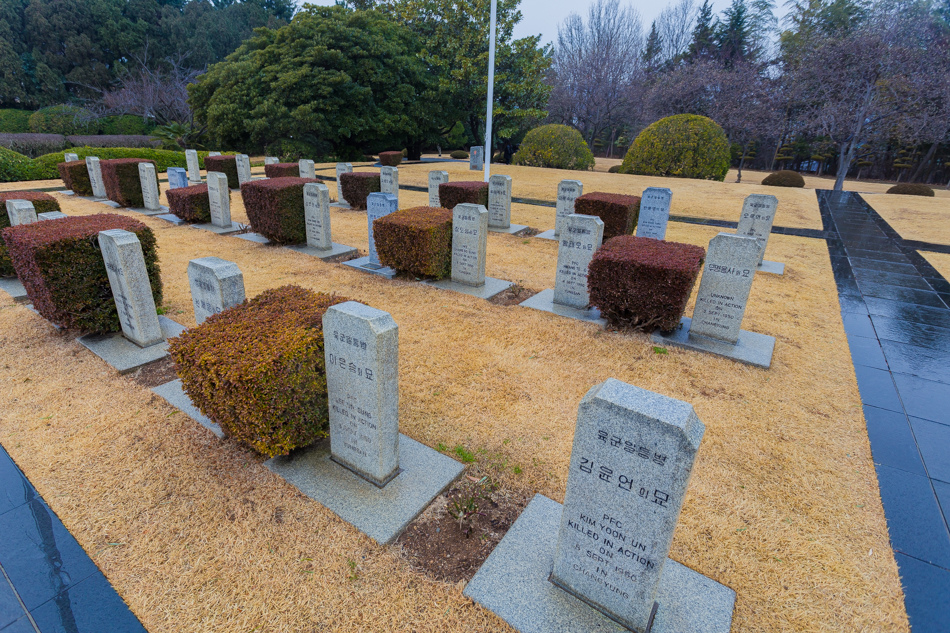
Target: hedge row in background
42	202
123	184
390	159
416	241
75	176
357	185
452	194
680	146
912	189
15	167
14	121
191	204
227	165
555	146
282	170
642	283
275	208
618	212
71	120
258	369
61	267
784	178
34	145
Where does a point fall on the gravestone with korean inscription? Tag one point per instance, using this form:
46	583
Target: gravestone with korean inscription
581	237
21	212
70	157
476	158
219	199
378	205
243	163
654	212
362	361
177	177
342	168
389	180
95	177
436	178
724	289
149	182
499	201
214	153
271	160
469	244
306	168
758	215
316	206
194	167
128	277
216	285
568	191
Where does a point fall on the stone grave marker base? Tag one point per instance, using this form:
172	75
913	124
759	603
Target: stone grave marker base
334	252
108	203
544	300
511	230
362	264
162	209
513	584
175	395
51	215
220	230
66	192
171	217
13	287
253	237
124	355
753	349
776	268
547	235
58	328
340	205
380	513
489	289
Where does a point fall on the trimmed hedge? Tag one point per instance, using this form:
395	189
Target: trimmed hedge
42	202
417	241
191	204
680	146
614	169
357	185
784	178
275	208
282	170
114	140
14	121
912	189
75	176
459	154
452	194
63	119
390	159
258	369
618	212
61	267
16	167
121	179
33	145
554	146
227	165
642	283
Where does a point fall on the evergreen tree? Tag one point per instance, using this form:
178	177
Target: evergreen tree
732	36
653	49
704	34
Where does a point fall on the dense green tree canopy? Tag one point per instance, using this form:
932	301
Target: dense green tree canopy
339	79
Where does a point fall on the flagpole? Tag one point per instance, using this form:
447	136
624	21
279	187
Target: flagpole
491	90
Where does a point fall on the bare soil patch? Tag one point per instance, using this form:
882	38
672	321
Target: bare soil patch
154	374
513	296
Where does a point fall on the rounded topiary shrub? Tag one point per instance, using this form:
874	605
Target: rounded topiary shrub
556	147
459	154
784	178
258	369
912	189
614	169
63	119
680	146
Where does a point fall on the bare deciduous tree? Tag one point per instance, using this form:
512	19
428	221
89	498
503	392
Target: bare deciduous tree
675	26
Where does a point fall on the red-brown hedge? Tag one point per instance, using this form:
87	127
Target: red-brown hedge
642	283
618	212
275	208
258	369
191	204
42	202
357	185
61	267
452	194
121	179
417	241
390	159
227	165
282	170
76	177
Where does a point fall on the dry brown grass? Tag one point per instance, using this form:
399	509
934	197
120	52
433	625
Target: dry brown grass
940	261
783	505
915	217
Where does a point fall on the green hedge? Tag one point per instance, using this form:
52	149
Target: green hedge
14	121
784	178
554	146
16	167
63	119
680	146
912	189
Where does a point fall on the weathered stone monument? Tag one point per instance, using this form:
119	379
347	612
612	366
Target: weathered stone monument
70	157
716	325
128	277
219	201
194	169
378	205
758	215
216	285
177	177
568	191
151	203
307	169
370	475
476	158
436	178
654	212
214	153
21	212
582	236
95	177
389	180
499	205
341	168
469	249
316	204
243	163
600	562
271	160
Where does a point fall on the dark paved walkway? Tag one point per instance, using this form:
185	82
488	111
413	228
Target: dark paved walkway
48	584
896	312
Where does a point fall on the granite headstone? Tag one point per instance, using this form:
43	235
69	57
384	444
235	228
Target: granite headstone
436	178
21	212
128	277
758	215
271	160
177	177
316	205
378	205
568	191
476	158
194	167
70	157
342	168
469	244
216	285
306	168
654	212
499	201
95	177
579	240
149	182
724	288
389	180
243	163
214	153
219	199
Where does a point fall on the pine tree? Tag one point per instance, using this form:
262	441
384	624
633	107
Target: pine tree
733	33
704	34
653	49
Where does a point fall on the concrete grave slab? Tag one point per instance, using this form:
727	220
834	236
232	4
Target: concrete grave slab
253	237
363	264
175	395
547	235
161	210
13	287
544	301
487	290
171	217
124	355
511	229
380	513
336	251
774	268
751	348
220	230
51	215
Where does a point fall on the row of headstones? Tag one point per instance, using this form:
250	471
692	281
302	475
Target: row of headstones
23	212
